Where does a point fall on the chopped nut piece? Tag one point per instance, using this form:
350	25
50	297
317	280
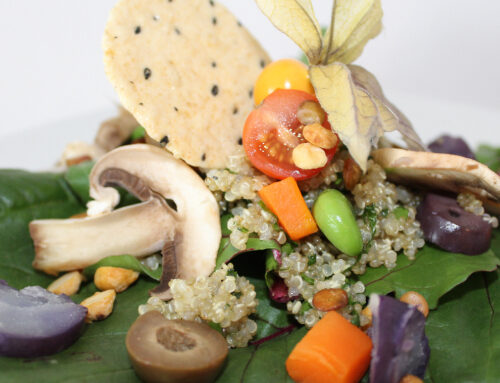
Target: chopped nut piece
307	156
310	112
99	305
68	283
114	278
366	318
318	135
79	215
415	299
77	160
411	379
330	299
351	173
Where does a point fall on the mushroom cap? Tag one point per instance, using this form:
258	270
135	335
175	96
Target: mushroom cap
175	351
439	171
197	212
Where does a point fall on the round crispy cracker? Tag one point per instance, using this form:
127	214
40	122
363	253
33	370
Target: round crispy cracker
185	69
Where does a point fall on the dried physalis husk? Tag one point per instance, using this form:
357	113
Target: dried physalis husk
353	24
357	109
351	111
296	19
391	117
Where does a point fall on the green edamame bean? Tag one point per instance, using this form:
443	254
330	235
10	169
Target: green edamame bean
333	214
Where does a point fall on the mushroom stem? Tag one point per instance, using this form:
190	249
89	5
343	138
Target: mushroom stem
63	245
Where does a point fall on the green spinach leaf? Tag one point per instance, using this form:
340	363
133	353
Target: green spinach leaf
261	363
433	273
271	317
464	333
489	156
99	355
126	262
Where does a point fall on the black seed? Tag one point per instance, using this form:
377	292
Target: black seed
239	24
133	83
215	90
214	20
116	37
137	30
164	140
203	157
214	64
250	93
235	110
141	104
211	3
240	141
170	1
147	73
177	30
262	63
175	108
156	18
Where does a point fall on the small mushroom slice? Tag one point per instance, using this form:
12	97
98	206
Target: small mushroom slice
154	176
115	131
439	171
175	351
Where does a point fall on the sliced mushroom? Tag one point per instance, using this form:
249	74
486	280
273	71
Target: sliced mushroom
189	236
114	132
439	171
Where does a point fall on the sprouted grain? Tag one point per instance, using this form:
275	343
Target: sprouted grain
223	298
469	202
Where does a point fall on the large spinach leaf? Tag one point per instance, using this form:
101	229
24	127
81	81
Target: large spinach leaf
433	273
464	333
26	196
261	363
100	354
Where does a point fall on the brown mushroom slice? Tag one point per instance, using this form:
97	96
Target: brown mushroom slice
154	176
175	351
115	131
197	212
439	171
71	244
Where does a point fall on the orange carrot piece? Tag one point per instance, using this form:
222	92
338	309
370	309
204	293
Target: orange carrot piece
333	351
284	199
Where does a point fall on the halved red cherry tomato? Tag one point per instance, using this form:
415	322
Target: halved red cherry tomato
272	131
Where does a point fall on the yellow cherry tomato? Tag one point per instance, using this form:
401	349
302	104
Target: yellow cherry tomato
282	74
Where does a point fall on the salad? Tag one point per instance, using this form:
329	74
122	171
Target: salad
254	209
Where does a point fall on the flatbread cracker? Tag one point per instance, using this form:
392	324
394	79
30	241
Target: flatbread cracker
185	69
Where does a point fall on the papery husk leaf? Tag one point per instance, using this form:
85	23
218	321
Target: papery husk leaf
296	19
354	24
352	112
392	118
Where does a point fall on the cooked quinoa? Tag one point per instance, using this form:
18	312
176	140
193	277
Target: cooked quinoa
312	267
222	298
469	202
386	218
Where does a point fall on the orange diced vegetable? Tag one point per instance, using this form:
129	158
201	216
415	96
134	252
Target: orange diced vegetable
284	199
333	351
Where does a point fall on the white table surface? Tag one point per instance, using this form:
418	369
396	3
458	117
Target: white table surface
438	60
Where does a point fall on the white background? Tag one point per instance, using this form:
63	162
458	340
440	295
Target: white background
438	60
